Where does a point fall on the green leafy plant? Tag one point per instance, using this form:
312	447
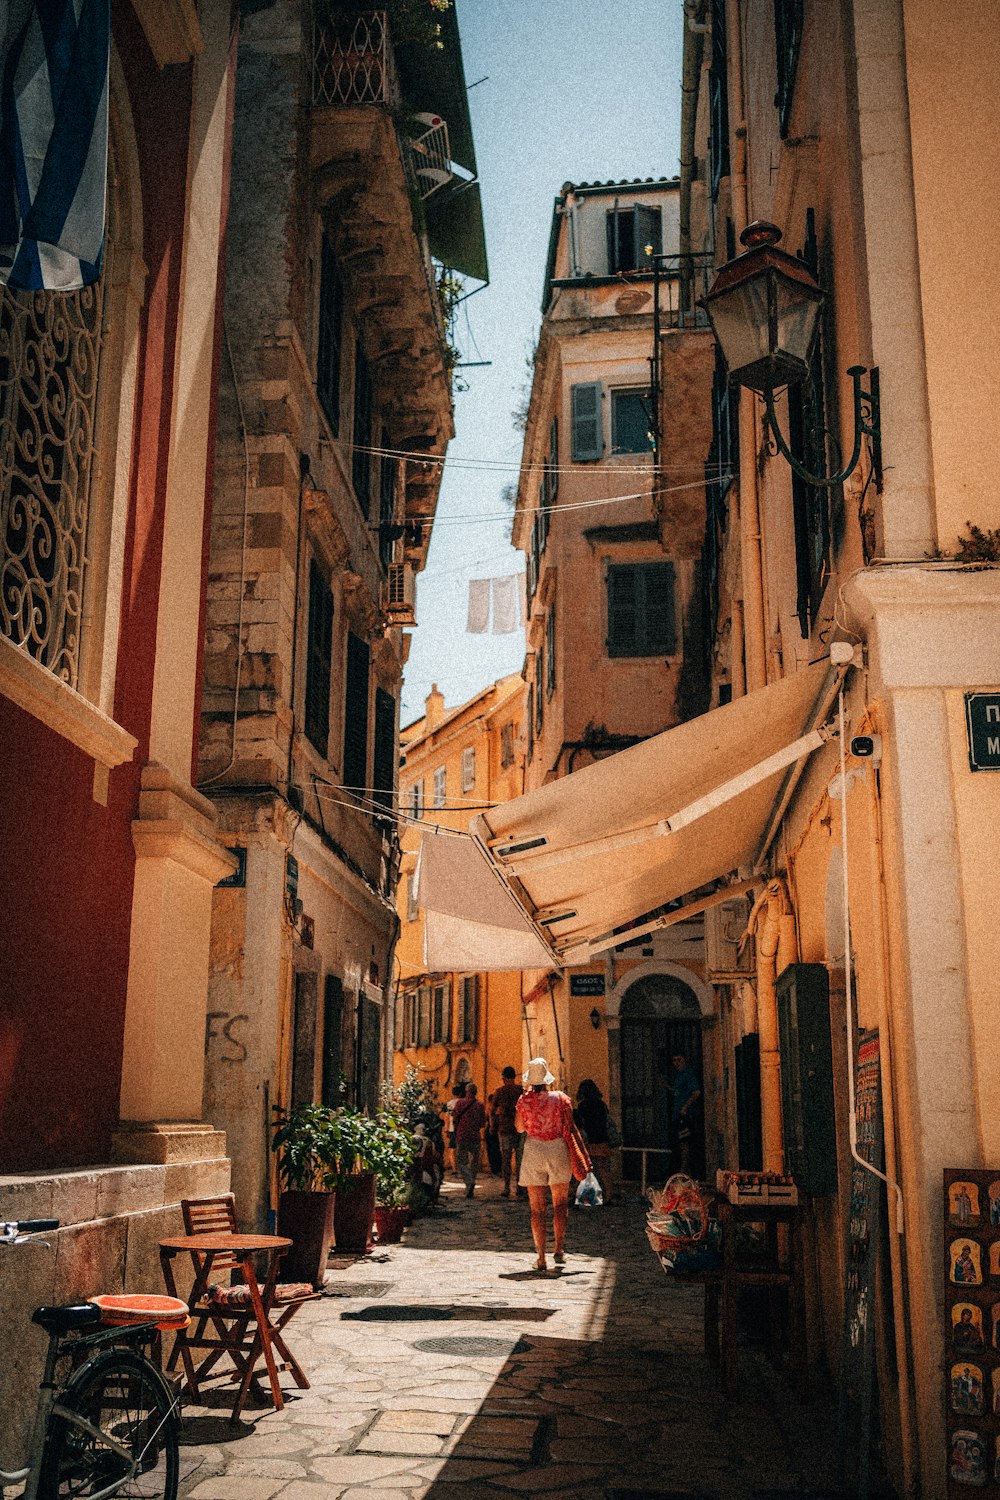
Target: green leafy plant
305	1140
979	545
413	1097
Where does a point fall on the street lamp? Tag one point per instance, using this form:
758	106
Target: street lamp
764	308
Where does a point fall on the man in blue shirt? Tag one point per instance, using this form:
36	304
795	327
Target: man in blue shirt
684	1110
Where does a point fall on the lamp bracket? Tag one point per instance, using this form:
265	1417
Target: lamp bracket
867	424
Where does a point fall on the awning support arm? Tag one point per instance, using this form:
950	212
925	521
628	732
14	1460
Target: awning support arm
580	952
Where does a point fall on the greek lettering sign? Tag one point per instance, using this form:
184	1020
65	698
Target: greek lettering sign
586	984
982	718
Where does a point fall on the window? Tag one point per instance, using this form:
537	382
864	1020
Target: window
417	799
585	419
388	466
441	1017
469	769
630	422
356	713
507	745
529	720
543	518
718	102
630	230
641	609
787	41
440	786
468	1009
534	559
810	503
424	1016
721	467
331	330
384	757
319	646
412	907
552	476
539	693
361	460
550	652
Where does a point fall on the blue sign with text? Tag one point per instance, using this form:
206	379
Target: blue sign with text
982	718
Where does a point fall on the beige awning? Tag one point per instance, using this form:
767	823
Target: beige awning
472	923
608	848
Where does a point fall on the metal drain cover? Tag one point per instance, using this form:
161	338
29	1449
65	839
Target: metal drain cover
462	1344
357	1288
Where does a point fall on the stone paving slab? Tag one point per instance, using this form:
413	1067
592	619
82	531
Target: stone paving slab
478	1378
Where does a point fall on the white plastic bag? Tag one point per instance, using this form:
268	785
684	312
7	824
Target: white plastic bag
589	1194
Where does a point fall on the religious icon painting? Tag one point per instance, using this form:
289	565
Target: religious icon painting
967	1457
993	1194
967	1327
995	1319
966	1262
995	1395
967	1390
963	1203
995	1260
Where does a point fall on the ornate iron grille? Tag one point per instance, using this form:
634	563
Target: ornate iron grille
352	59
50	355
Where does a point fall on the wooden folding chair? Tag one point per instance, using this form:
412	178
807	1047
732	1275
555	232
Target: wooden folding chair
234	1323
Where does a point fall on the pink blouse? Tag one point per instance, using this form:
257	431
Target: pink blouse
543	1115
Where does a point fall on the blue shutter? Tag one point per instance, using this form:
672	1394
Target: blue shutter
356	713
585	420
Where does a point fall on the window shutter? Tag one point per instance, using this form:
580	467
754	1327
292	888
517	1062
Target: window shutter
641	609
468	769
328	351
333	1016
530	720
384	768
647	230
585	411
440	786
550	652
318	658
356	712
657	581
543	517
460	1016
553	475
539	689
623	611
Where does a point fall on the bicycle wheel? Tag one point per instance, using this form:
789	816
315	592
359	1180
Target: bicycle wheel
123	1397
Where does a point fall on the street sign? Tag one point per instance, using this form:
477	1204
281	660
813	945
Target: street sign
586	984
982	720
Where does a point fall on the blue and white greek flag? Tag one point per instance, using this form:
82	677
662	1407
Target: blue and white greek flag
53	142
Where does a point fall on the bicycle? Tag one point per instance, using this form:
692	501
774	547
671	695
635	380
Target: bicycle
110	1425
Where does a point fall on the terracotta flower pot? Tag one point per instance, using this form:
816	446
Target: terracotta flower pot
307	1219
390	1223
354	1213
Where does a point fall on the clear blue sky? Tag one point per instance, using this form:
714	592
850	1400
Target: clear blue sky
577	91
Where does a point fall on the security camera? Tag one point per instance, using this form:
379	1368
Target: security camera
867	747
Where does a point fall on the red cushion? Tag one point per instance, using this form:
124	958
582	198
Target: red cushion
239	1296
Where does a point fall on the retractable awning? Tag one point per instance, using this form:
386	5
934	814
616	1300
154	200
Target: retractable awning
600	855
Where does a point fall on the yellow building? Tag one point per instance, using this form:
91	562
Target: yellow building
456	1027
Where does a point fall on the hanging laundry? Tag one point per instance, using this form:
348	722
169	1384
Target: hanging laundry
505	605
478	621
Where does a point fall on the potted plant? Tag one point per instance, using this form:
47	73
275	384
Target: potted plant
351	1171
394	1150
305	1141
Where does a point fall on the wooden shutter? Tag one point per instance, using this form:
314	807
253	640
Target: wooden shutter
386	501
647	230
539	688
469	769
328	351
550	652
319	649
361	459
437	1026
530	720
641	609
384	767
585	412
356	712
553	475
333	1022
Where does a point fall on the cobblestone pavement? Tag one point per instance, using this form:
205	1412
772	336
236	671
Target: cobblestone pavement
446	1368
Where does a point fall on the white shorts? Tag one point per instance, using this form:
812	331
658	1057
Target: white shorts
544	1163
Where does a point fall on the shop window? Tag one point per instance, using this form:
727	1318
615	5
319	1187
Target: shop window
641	609
585	421
319	648
440	786
469	769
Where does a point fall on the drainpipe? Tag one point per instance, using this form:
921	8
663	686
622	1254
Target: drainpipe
773	924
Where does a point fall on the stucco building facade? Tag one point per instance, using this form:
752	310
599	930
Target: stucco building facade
335	413
456	1027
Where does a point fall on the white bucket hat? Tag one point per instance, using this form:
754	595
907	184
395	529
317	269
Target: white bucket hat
538	1072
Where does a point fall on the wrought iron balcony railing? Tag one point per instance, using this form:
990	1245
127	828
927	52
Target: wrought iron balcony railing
353	61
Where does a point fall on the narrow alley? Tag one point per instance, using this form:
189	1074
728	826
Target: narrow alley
445	1367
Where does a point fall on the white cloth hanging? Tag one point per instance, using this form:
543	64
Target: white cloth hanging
505	605
478	621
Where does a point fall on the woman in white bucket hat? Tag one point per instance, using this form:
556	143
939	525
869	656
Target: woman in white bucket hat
544	1116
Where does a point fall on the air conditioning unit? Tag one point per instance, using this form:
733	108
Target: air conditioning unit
400	594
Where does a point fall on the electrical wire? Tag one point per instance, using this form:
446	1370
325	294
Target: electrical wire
518	466
383	812
518	510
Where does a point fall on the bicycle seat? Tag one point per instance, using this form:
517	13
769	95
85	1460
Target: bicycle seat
68	1319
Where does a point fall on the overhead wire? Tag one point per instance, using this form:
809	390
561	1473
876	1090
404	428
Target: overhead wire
518	466
517	510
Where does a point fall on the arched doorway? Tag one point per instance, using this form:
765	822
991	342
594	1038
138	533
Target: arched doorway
660	1019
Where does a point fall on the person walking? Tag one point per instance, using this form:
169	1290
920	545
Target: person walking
470	1117
458	1092
591	1116
684	1113
545	1117
502	1113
